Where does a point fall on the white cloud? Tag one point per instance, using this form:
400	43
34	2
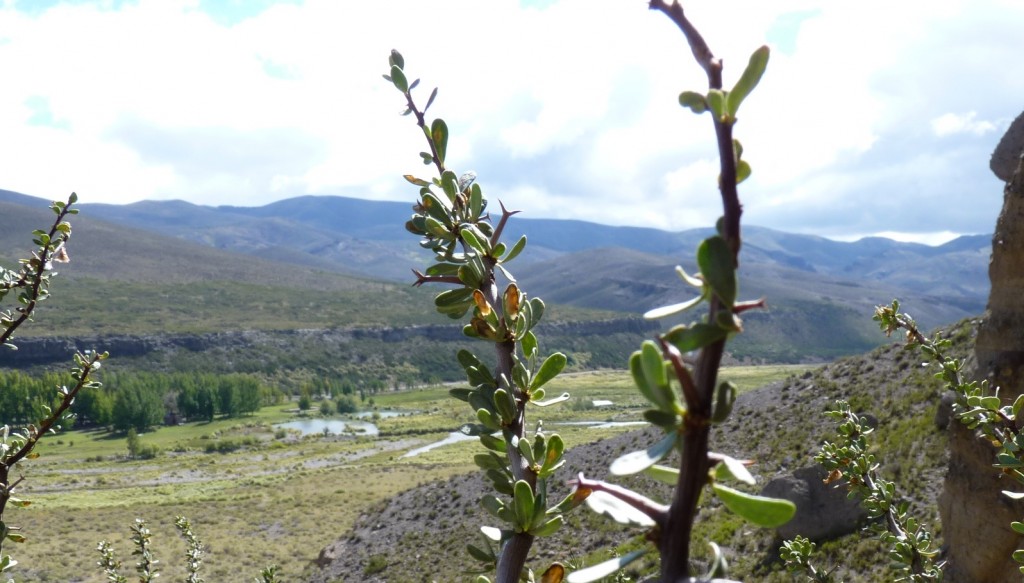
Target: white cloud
567	110
950	124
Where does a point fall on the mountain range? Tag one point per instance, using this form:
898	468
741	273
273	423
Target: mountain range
820	292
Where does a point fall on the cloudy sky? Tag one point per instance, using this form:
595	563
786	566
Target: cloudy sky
873	117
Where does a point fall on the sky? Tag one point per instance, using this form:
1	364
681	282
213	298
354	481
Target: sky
874	117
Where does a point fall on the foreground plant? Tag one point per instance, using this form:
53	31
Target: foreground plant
977	405
451	218
911	546
687	397
29	284
146	564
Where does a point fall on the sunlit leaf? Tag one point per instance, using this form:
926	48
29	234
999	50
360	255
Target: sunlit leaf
734	469
638	461
663	474
439	135
602	570
672	309
549	370
604	503
760	510
749	79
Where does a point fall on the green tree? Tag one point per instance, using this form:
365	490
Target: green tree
137	407
132	441
227	398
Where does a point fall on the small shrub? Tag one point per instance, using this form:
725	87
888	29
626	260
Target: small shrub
376	564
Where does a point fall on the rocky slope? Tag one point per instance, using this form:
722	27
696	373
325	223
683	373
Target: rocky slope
420	535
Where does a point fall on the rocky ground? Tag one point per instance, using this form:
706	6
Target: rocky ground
420	535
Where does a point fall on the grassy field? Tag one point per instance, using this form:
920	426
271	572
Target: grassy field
278	499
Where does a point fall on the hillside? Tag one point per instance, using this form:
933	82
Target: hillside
778	425
329	261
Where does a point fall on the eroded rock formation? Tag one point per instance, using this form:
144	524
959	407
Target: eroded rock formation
976	516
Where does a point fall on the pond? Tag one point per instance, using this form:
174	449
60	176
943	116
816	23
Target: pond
311	425
333	426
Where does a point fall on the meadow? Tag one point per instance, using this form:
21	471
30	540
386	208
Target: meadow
258	495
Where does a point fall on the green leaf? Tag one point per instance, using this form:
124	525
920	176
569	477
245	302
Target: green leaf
433	95
523	501
650	392
638	461
694	101
476	201
536	311
549	527
663	474
725	396
742	171
529	344
492	504
760	510
516	249
716	103
488	461
553	454
443	269
505	404
398	78
718	267
493	443
487	419
653	364
395	59
549	370
602	570
664	419
480	554
618	510
450	184
733	469
749	79
1017	527
991	403
454	297
475	239
439	135
460	393
694	337
413	180
521	376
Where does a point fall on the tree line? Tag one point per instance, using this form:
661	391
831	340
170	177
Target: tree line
135	400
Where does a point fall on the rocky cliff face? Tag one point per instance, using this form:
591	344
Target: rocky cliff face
35	351
976	516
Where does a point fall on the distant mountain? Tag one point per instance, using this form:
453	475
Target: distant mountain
820	291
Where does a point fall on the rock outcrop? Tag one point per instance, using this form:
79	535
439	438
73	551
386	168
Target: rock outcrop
823	511
975	514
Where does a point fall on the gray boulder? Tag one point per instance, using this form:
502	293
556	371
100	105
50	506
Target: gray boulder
823	511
